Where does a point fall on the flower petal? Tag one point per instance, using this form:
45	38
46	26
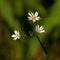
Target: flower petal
36	13
37	27
15	31
37	18
29	14
29	18
42	31
41	27
32	14
13	35
15	38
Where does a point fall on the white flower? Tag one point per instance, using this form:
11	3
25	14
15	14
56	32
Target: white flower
16	35
33	17
39	29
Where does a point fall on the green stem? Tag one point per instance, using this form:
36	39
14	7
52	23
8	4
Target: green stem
41	44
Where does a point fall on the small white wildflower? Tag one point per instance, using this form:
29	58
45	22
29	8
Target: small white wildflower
39	29
33	17
16	35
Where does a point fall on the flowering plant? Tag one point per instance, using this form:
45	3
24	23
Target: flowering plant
39	29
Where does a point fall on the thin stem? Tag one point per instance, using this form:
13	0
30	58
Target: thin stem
41	44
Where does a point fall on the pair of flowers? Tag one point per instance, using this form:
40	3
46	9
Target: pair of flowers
33	17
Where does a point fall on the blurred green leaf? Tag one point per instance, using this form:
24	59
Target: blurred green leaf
7	13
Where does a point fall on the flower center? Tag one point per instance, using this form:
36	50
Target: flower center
33	17
18	36
38	30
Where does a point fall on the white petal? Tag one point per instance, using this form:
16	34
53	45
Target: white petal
41	28
15	38
36	13
30	18
29	14
37	27
32	14
15	31
37	18
13	35
18	33
42	31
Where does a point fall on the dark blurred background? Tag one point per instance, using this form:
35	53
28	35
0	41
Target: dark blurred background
14	15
